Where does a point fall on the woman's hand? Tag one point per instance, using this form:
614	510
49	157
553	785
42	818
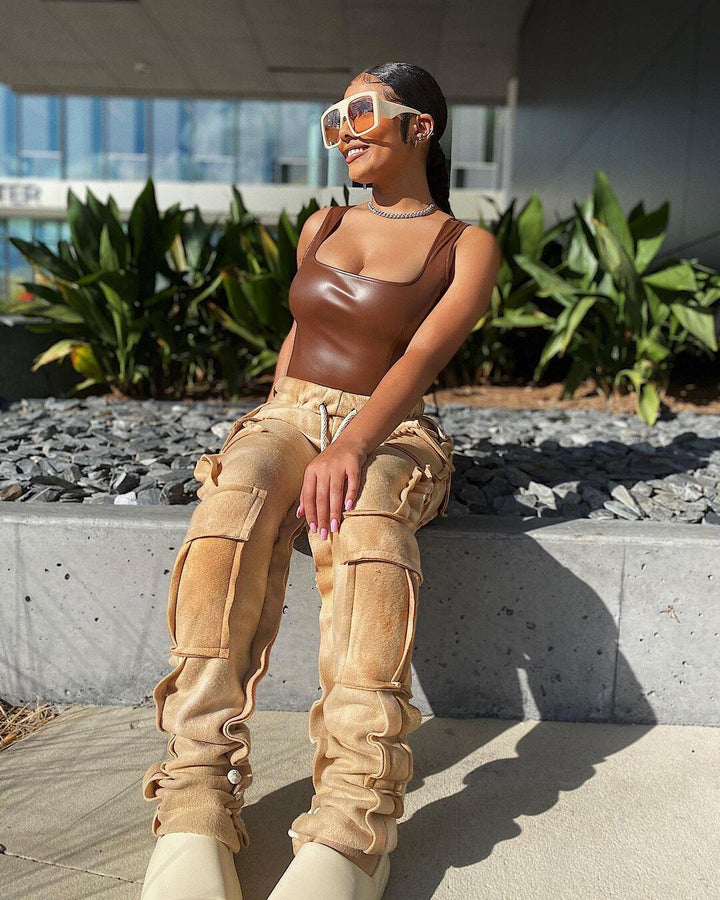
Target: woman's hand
324	494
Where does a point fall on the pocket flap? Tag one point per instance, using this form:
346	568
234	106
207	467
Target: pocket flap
229	513
377	536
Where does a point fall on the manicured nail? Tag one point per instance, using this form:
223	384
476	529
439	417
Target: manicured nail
297	514
333	524
348	503
323	533
313	527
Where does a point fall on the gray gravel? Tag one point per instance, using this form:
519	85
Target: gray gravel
528	463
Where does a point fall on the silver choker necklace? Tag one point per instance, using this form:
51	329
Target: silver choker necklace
411	215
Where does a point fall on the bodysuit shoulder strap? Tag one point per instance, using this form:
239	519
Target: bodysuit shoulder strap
332	217
443	252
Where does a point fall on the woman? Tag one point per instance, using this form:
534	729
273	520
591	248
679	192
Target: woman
380	306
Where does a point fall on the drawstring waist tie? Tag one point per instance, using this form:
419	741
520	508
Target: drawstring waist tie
324	424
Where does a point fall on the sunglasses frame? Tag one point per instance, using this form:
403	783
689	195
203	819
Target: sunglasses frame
382	108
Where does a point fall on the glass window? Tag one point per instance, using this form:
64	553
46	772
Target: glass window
83	137
475	132
47	231
8	138
212	142
39	136
126	146
256	141
171	122
295	124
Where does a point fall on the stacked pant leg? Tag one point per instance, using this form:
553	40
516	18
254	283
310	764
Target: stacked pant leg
225	607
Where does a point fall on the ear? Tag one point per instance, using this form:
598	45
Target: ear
425	125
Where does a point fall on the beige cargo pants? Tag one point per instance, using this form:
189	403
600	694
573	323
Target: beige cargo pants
225	607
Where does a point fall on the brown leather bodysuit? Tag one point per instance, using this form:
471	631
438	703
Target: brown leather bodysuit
352	328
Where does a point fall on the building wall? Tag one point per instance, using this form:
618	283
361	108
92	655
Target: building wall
634	90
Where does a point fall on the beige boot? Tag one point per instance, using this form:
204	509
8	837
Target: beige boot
321	873
186	866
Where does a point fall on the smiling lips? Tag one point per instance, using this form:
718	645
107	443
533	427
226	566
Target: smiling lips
354	153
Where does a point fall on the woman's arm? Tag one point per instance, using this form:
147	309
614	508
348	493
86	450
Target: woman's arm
284	355
437	340
307	233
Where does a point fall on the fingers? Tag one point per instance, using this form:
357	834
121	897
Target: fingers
322	503
328	500
324	496
307	499
337	483
353	485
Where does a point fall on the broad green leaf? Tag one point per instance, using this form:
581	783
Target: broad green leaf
84	362
270	250
580	257
622	268
675	278
87	307
240	309
648	403
652	349
698	321
84	229
58	351
227	322
648	232
530	228
37	254
46	291
657	308
549	284
88	382
522	319
108	256
607	210
634	377
552	348
576	315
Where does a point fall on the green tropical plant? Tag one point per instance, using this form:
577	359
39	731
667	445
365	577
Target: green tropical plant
166	303
114	292
588	282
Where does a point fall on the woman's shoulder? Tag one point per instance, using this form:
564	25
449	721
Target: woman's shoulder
315	220
477	254
311	228
477	238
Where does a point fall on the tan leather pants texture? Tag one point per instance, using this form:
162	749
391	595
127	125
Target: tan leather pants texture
224	611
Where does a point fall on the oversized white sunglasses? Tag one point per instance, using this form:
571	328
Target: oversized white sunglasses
362	111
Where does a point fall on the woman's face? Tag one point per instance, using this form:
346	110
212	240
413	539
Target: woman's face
383	152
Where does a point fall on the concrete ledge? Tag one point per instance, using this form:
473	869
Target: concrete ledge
579	620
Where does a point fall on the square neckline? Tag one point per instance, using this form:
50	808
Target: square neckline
371	277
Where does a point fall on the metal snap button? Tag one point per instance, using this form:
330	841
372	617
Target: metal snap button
234	776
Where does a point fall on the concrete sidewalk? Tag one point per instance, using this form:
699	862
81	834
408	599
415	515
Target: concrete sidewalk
497	808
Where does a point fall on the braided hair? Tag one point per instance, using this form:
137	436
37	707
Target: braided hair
414	86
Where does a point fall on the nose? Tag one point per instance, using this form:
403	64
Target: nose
344	130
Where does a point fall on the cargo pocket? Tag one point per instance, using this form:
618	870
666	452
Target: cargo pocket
416	496
427	493
245	422
206	571
379	600
432	435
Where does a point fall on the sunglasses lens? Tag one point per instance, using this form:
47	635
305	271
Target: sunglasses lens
331	127
361	114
